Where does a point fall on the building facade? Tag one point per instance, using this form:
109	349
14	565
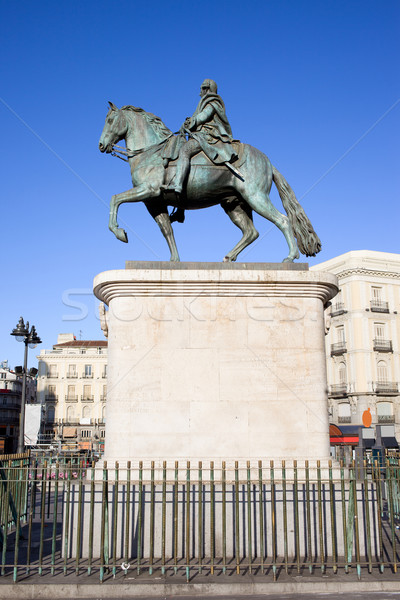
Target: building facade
363	338
10	405
72	386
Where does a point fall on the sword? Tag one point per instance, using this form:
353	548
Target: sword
234	170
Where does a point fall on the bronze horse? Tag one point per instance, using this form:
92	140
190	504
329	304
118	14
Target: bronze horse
207	185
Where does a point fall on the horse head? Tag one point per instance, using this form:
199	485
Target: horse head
139	128
115	129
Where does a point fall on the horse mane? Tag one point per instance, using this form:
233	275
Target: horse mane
155	122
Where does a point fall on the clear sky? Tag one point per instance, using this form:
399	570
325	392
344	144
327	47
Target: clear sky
313	84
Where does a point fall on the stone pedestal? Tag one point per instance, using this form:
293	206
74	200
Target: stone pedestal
210	361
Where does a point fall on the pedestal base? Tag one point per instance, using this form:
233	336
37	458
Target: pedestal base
216	362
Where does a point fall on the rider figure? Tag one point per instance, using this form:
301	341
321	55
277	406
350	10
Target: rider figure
208	130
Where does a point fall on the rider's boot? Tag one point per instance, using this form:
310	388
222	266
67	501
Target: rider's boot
177	215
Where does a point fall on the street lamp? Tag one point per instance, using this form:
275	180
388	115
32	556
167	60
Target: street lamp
31	339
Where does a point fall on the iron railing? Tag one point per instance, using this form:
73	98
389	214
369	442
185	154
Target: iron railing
231	518
338	389
337	309
381	345
379	306
338	348
386	387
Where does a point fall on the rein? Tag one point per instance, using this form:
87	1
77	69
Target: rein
132	153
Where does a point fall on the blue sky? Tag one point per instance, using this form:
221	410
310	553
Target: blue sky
313	84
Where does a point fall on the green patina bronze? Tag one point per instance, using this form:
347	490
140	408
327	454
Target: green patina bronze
201	166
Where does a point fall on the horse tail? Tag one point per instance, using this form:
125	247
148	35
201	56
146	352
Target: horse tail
307	240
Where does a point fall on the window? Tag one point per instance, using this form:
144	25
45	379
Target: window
376	293
344	412
102	433
344	409
70	413
52	372
382	371
342	373
87	392
103	412
72	371
86	433
2	375
379	331
104	374
340	334
86	412
88	370
71	392
51	391
384	408
50	413
385	412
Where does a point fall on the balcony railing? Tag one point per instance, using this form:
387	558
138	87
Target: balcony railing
104	375
87	376
72	375
344	419
51	375
386	387
51	398
103	398
379	306
386	419
337	309
87	398
71	398
339	390
338	348
381	345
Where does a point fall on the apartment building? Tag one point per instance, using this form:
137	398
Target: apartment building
10	405
72	386
363	339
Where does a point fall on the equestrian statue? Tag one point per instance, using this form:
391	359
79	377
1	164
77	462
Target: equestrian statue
201	166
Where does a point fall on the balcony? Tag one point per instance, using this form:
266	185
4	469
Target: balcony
51	398
87	398
72	375
344	419
386	419
379	306
103	398
338	309
386	387
339	390
381	345
51	375
71	398
338	348
87	376
104	375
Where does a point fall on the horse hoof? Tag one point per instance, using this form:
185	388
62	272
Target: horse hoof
121	235
287	259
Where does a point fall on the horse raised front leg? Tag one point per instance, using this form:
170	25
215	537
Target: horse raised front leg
137	194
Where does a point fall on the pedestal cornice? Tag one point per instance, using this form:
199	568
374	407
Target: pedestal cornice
259	280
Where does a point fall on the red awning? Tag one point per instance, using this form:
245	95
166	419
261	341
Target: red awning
349	440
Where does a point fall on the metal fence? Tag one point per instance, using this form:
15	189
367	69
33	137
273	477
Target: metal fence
179	518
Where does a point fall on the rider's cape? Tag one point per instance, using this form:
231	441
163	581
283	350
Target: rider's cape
210	127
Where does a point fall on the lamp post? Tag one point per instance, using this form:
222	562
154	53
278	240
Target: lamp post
31	339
